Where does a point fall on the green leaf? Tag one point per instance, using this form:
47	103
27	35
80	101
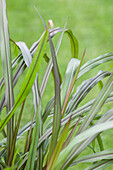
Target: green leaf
58	147
57	104
6	55
29	79
50	64
7	71
47	59
69	75
33	146
101	98
25	52
74	43
78	112
100	84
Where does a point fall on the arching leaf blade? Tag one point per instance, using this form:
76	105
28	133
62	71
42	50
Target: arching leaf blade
74	43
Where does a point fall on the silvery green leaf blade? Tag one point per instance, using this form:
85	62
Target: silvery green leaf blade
69	75
103	155
7	71
101	165
91	64
79	138
57	104
84	89
6	56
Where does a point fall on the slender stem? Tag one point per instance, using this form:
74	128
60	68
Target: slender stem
15	134
72	84
100	142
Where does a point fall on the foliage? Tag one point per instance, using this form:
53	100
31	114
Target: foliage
59	133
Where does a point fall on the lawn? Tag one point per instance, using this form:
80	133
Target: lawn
90	21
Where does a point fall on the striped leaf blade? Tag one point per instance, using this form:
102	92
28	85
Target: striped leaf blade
69	75
6	56
91	64
58	147
57	104
7	71
37	131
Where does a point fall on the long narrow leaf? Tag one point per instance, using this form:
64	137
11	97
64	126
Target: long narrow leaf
69	75
29	79
50	64
72	85
58	147
35	136
57	105
7	70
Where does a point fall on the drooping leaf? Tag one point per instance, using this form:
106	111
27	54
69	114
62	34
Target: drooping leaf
72	85
25	52
69	75
74	43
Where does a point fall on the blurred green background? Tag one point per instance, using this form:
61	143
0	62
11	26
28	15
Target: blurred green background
91	23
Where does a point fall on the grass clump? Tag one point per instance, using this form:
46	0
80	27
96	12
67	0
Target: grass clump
57	134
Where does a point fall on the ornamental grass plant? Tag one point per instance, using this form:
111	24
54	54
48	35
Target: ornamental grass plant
56	135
